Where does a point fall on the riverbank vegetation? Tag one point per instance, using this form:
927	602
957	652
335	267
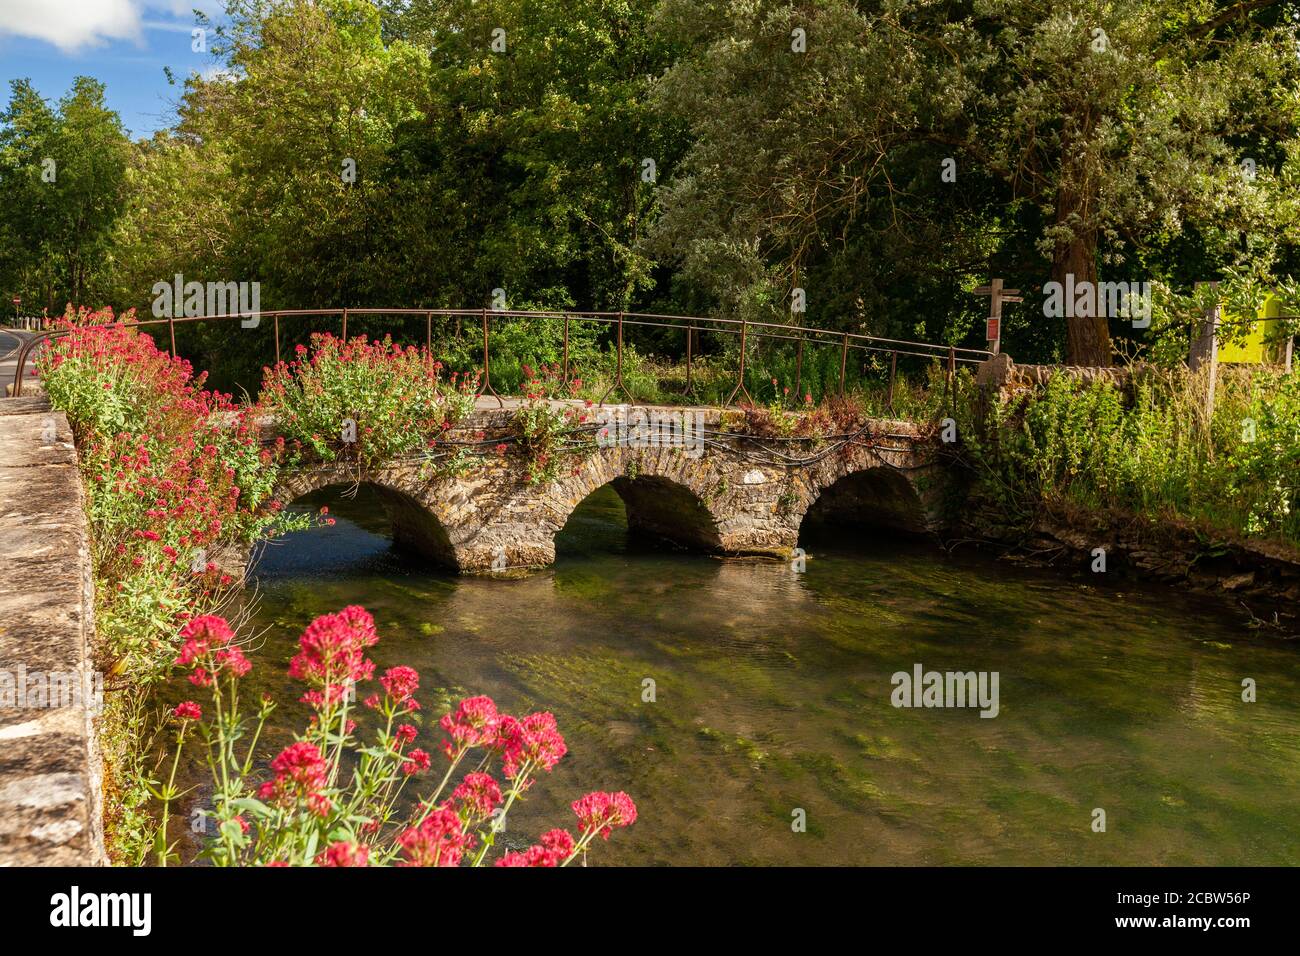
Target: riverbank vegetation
174	475
1148	444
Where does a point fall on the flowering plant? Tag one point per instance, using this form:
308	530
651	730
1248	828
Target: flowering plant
544	430
175	473
334	800
367	401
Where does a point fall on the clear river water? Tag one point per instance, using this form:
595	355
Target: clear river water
772	695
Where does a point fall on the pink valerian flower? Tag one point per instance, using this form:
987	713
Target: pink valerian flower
400	683
556	847
439	840
534	740
188	710
200	635
416	761
232	659
404	734
332	648
474	724
479	794
300	772
344	853
603	812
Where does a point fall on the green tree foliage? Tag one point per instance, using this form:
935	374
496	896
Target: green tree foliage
62	189
690	156
1095	130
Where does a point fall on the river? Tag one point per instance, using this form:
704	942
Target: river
772	695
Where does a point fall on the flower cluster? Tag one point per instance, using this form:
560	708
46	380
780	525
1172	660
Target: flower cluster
365	401
358	815
174	473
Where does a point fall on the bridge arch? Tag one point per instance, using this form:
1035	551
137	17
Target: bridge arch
877	496
415	527
666	496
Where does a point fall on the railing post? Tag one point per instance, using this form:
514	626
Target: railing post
893	373
950	384
798	366
171	327
487	365
740	376
275	317
345	325
428	333
844	362
618	366
690	335
565	371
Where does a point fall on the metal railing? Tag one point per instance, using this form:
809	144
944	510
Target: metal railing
691	327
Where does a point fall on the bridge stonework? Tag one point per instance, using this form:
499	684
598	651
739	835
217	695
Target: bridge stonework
723	501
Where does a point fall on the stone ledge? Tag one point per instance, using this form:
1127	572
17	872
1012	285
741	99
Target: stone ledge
50	768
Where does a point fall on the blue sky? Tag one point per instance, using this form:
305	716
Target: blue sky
123	43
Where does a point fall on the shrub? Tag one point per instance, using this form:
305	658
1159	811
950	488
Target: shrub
365	401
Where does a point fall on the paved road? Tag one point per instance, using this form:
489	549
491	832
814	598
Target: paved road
11	341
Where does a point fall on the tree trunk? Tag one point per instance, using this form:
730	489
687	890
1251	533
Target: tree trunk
1087	336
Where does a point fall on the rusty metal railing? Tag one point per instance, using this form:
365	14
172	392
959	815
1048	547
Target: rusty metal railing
691	327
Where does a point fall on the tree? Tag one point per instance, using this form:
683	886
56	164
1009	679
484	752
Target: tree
62	176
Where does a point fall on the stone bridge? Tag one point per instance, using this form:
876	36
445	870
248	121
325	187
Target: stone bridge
733	496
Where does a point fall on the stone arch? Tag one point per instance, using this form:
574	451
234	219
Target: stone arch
415	527
666	494
877	496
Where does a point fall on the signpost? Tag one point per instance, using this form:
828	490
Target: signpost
997	295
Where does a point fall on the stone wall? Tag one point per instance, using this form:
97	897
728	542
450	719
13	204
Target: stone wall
729	499
50	772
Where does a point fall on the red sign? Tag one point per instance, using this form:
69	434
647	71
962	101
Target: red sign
17	301
991	330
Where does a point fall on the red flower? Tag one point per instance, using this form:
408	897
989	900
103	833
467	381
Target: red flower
332	649
479	794
438	841
535	740
188	710
300	772
603	812
416	761
343	853
400	682
474	724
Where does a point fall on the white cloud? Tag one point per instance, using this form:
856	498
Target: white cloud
74	24
71	24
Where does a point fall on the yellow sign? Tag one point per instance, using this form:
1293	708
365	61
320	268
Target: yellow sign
1257	347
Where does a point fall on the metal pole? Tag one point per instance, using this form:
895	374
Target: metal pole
844	362
690	335
893	373
798	365
345	325
276	318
